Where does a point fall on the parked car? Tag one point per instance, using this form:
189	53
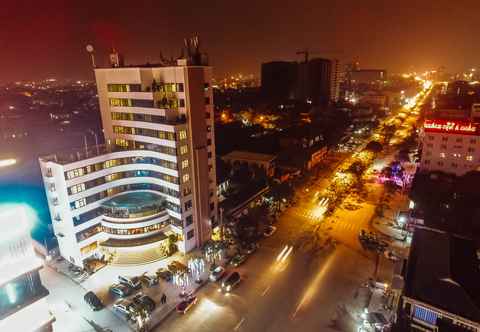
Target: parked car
125	308
231	281
164	274
237	260
93	301
144	301
269	231
217	273
149	280
133	282
186	304
120	290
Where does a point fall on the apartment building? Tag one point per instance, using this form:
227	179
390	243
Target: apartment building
450	146
155	175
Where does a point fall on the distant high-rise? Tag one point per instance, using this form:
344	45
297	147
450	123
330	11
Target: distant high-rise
154	179
279	80
316	81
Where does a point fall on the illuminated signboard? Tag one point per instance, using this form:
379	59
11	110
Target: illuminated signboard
450	126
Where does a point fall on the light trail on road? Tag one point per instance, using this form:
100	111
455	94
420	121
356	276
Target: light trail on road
313	286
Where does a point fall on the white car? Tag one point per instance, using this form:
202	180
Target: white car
270	230
217	273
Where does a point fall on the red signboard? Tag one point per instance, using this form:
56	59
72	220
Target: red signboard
450	126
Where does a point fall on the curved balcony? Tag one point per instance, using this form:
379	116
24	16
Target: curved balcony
134	205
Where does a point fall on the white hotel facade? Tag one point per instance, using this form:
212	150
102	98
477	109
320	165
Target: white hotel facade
155	175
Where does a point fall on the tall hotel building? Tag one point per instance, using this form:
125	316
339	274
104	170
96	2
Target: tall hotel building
154	178
23	304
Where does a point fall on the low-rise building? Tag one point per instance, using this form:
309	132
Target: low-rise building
260	160
23	298
441	283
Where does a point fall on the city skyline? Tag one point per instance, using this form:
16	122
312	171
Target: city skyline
51	41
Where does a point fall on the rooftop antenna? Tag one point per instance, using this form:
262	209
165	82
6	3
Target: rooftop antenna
92	56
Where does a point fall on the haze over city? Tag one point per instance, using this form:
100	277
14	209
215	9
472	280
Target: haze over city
49	38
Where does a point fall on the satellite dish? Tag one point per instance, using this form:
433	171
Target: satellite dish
89	48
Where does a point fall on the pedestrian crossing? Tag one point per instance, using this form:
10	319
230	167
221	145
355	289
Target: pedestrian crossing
337	225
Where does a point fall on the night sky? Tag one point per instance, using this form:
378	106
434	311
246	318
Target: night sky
47	38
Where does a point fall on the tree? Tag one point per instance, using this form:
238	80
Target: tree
374	146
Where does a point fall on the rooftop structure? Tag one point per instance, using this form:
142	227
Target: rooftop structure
261	160
441	282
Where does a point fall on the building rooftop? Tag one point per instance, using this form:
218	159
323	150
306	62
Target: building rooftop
249	156
443	271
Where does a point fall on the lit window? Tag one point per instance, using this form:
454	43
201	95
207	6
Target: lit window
80	203
182	134
469	158
190	234
77	188
183	149
185	178
184	163
442	154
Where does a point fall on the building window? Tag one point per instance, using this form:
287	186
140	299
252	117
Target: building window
77	188
190	234
75	173
189	220
471	150
183	149
442	154
182	134
454	165
206	86
459	140
443	146
212	206
184	163
185	178
426	162
440	163
207	100
473	141
119	102
181	102
180	87
207	115
79	203
431	138
209	155
469	158
188	205
444	138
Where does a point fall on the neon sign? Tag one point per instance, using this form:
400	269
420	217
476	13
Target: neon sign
449	126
